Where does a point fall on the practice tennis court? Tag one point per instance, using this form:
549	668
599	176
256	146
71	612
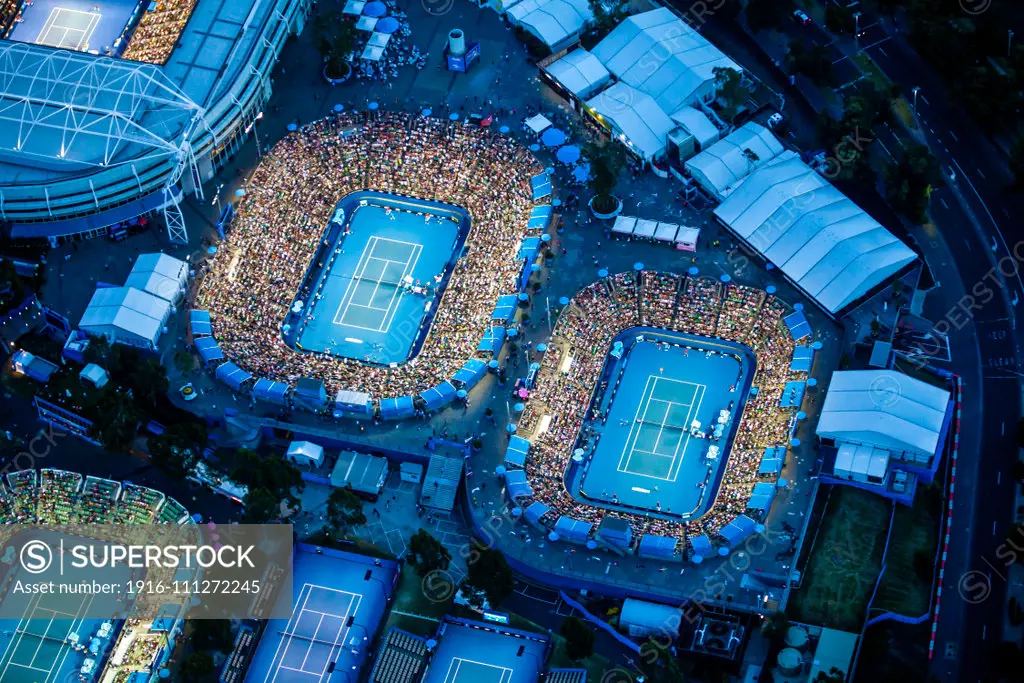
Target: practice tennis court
381	282
462	670
476	652
68	28
648	456
37	651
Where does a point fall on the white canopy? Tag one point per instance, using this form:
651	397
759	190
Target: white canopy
353	7
372	53
126	315
624	225
884	409
660	55
688	236
579	72
723	165
861	462
823	242
161	275
666	232
379	39
634	117
554	22
538	124
96	375
697	124
305	453
645	227
366	23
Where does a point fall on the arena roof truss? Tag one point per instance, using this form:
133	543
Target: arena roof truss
82	110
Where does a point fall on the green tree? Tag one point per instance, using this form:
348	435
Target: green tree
335	38
579	639
149	383
271	472
909	182
763	15
197	667
607	15
345	508
12	287
98	352
606	164
489	572
427	554
732	93
839	19
658	664
212	634
815	62
118	419
184	362
834	675
261	506
179	448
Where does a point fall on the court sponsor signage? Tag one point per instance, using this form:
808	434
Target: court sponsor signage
145	571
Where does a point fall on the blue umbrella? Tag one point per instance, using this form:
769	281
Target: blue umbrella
534	148
563	300
759	528
492	364
535	366
239	192
211	250
812	382
512	332
603	272
545	237
517	512
569	154
769	266
534	267
553	536
542	347
553	137
556	202
782	483
375	9
549	170
798	307
725	277
339	108
511	429
638	265
817	345
523	296
581	173
503	130
519	407
426	112
591	544
693	270
723	551
453	116
372	106
292	127
697	559
794	442
386	25
771	289
499	471
801	415
461	393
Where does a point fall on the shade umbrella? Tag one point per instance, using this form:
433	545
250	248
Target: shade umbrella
542	347
512	332
638	265
798	307
759	528
552	137
781	483
556	202
553	536
817	345
523	296
240	192
523	393
211	250
500	470
591	544
563	300
693	270
801	415
519	407
492	364
535	366
697	559
461	393
503	130
375	9
545	237
426	112
569	154
517	512
534	148
549	170
581	173
453	116
534	267
292	127
603	272
794	442
769	266
812	382
725	277
372	106
338	108
723	551
386	25
510	429
771	289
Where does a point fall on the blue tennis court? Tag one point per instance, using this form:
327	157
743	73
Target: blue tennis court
476	652
98	26
374	293
670	414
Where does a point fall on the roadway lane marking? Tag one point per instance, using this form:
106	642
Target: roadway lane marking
965	241
882	50
993	527
981	174
953	135
999	475
924	99
944	204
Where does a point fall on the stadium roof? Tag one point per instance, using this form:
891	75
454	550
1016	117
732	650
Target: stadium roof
885	409
553	21
720	167
636	116
580	72
827	245
65	112
659	54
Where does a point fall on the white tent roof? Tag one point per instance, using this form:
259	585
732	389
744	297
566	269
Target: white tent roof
687	235
645	227
551	20
636	116
697	123
658	53
538	123
827	245
884	409
580	72
126	310
624	225
95	374
866	460
720	167
155	284
666	232
305	449
159	274
161	263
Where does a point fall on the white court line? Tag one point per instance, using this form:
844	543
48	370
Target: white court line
634	431
636	415
385	324
363	258
55	667
459	660
277	663
690	413
360	275
50	27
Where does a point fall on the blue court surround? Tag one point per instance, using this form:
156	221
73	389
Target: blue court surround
645	454
360	311
115	16
477	652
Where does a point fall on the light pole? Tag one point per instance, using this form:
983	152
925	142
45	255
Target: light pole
256	133
1009	43
856	30
915	91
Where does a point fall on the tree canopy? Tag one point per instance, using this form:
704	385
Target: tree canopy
179	448
345	508
491	574
579	638
427	554
335	38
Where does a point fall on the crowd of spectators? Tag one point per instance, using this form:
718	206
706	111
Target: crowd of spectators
53	496
564	391
290	199
158	31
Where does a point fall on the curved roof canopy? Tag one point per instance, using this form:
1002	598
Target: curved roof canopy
827	245
724	164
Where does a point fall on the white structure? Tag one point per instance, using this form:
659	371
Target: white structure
876	413
824	243
660	55
580	73
720	168
556	23
634	118
94	375
697	124
305	453
87	141
160	275
125	315
640	618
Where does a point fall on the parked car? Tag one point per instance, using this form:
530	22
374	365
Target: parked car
774	120
802	17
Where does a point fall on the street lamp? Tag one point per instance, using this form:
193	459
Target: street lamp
915	90
1009	42
256	133
856	30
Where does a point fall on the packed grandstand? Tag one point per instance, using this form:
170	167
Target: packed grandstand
281	221
560	404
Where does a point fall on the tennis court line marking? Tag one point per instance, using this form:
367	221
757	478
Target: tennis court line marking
12	647
635	430
50	27
276	662
449	678
346	303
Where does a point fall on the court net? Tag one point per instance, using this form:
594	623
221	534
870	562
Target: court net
667	424
379	281
310	639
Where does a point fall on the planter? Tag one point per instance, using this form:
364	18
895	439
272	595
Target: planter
604	216
340	79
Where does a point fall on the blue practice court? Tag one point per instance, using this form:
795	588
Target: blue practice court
475	652
666	394
339	601
376	294
97	26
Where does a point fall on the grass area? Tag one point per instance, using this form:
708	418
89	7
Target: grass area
411	599
904	112
906	586
595	665
874	74
845	561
